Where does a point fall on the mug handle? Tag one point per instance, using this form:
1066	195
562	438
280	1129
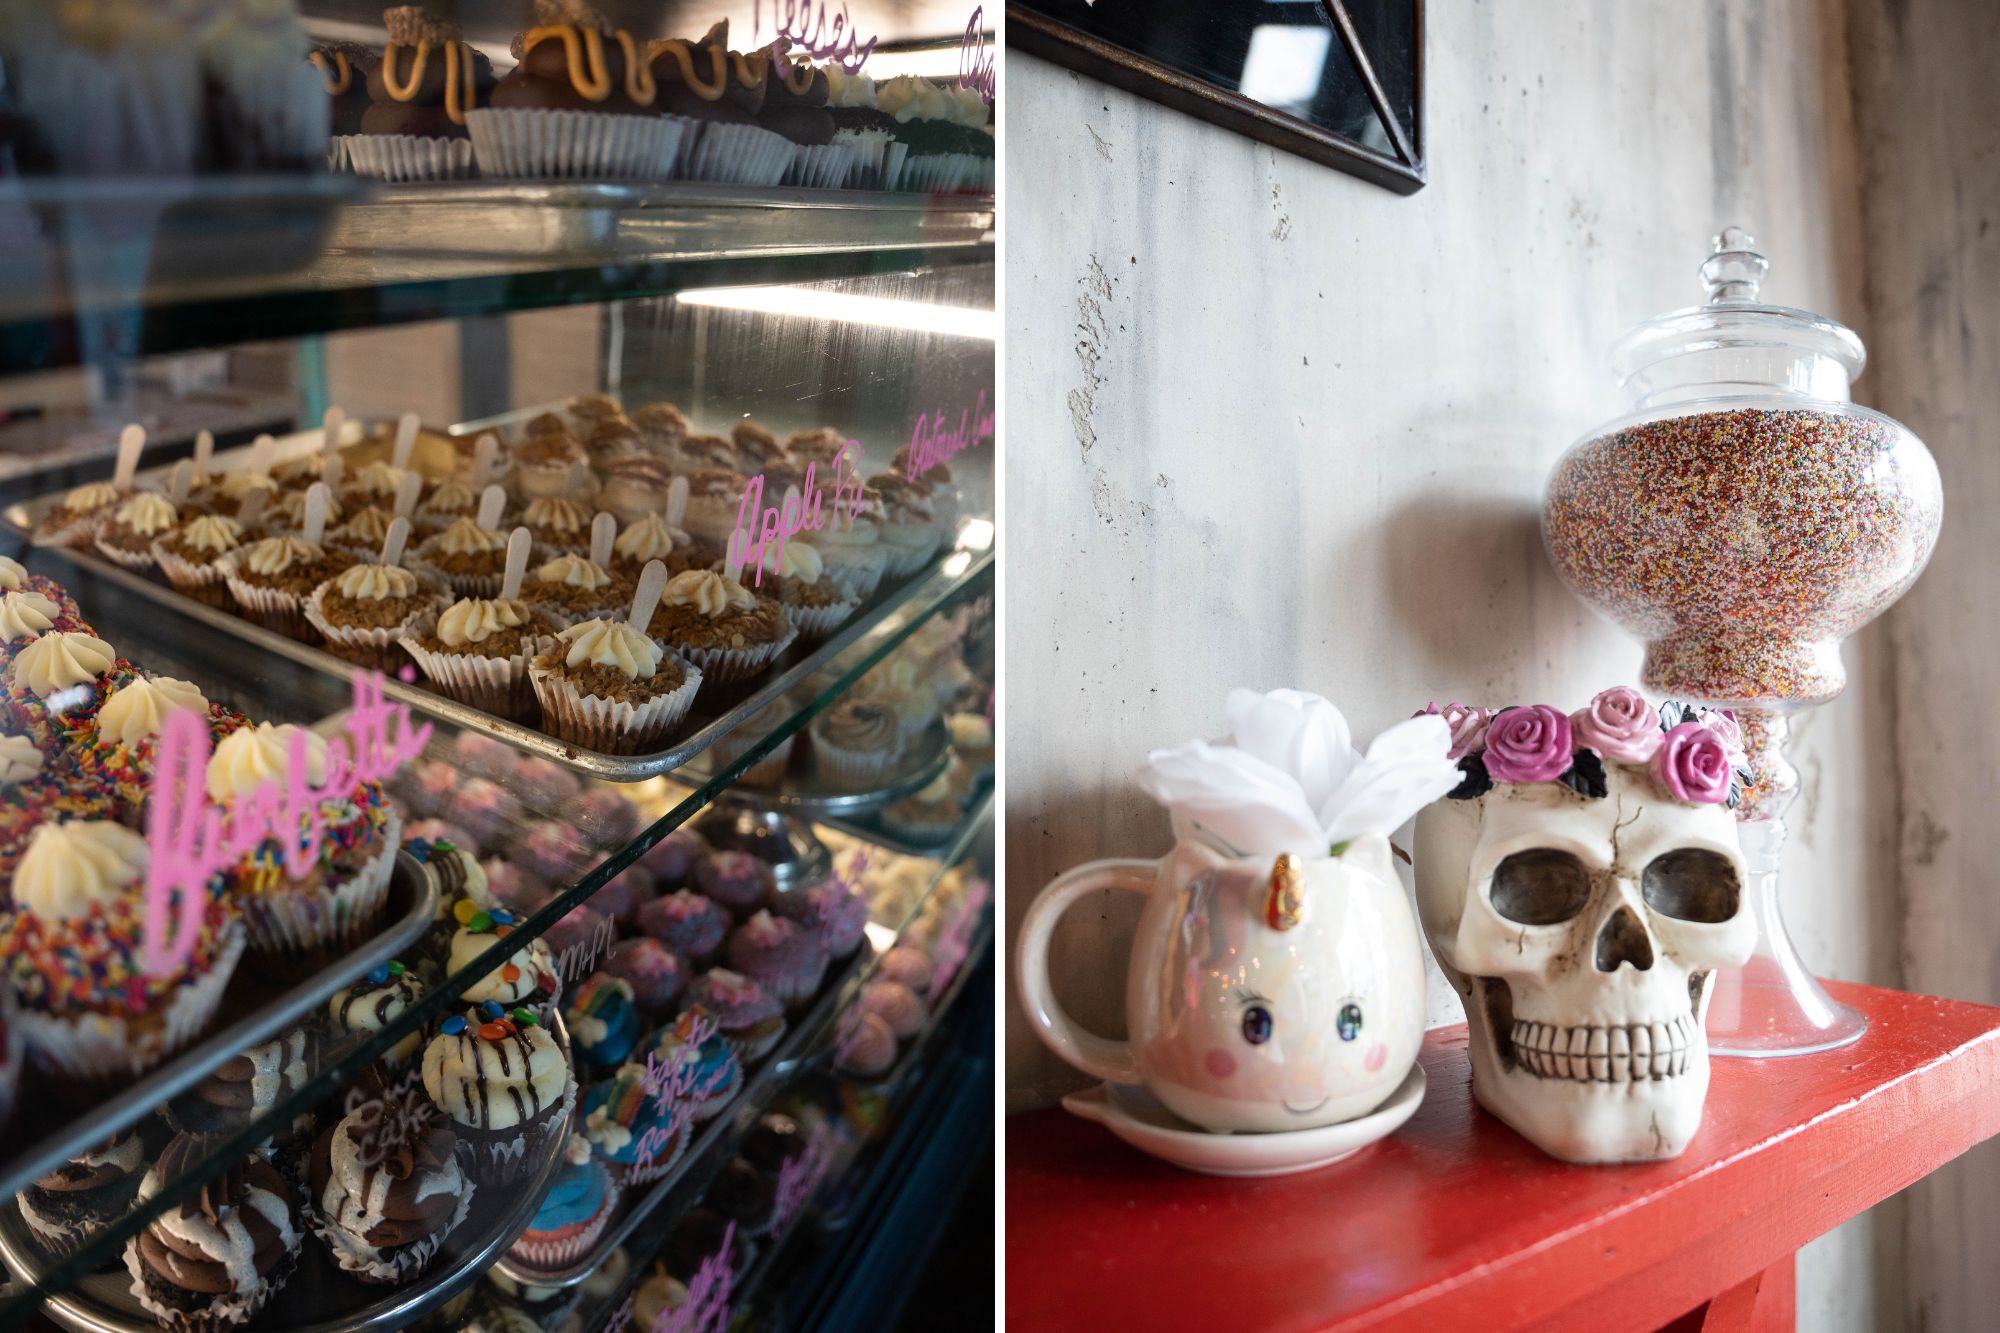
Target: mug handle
1100	1057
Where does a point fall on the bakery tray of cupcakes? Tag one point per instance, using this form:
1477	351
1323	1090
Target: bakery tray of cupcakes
113	1020
499	583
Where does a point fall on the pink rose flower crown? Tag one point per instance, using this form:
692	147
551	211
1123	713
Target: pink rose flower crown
1696	754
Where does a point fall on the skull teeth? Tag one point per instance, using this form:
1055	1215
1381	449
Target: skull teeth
1632	1053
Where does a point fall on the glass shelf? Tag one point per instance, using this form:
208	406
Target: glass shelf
126	268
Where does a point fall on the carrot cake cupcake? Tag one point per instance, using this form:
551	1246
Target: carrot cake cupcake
188	556
272	579
127	537
661	426
477	651
909	532
362	535
724	628
573	587
452	500
542	465
635	485
364	610
796	576
609	687
471	557
76	518
559	523
653	538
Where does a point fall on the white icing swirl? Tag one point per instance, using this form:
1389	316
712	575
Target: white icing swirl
212	532
12	572
651	538
908	98
57	661
275	555
376	583
238	484
90	495
23	615
573	571
614	644
844	89
248	758
495	1084
476	619
708	593
147	514
466	537
69	867
798	561
138	708
379	478
20	759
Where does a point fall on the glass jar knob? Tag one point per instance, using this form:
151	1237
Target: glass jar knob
1734	271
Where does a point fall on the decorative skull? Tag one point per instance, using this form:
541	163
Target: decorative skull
1580	892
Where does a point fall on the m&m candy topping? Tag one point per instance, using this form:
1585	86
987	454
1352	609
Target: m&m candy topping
419	850
454	1026
378	975
509	972
481	923
525	1018
491	1009
463	911
501	916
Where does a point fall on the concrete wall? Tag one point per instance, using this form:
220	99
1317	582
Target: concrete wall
1268	425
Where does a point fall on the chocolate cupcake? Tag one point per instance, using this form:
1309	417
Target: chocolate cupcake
795	106
868	131
724	628
387	1188
506	1087
581	102
217	1259
70	1204
345	68
419	92
722	91
744	1195
246	1087
608	687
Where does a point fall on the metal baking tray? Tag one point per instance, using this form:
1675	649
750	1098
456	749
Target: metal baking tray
267	1010
755	1090
805	794
318	1297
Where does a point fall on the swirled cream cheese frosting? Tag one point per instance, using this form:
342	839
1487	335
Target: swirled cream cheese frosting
573	571
375	583
291	508
708	593
477	619
69	867
57	661
844	89
369	527
556	513
12	573
968	108
23	615
212	532
451	497
138	709
613	644
147	514
530	961
240	483
379	478
466	537
798	560
248	758
90	495
908	98
495	1083
651	538
275	555
20	759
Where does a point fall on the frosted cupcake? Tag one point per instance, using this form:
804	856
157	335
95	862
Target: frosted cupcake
370	1005
213	1264
477	651
855	742
471	557
364	612
747	1016
724	628
633	1130
653	538
635	485
909	532
780	955
362	535
68	1205
559	523
711	1074
687	923
849	539
796	575
608	687
525	978
573	588
188	556
25	616
58	681
603	1020
506	1086
94	1017
387	1188
117	759
542	466
715	504
127	537
572	1216
837	918
271	580
649	969
452	500
77	516
35	789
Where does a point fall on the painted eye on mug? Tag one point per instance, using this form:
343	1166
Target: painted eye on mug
1256	1025
1349	1021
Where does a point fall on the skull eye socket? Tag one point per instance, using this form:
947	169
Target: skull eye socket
1540	887
1692	884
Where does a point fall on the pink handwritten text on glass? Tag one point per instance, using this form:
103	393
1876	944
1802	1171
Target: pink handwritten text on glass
706	1309
933	442
798	513
799	26
975	67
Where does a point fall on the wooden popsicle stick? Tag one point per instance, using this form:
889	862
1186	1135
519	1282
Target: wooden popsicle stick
406	440
492	501
519	543
131	441
330	427
603	533
332	470
180	481
318	501
677	500
204	450
407	491
652	582
261	450
397	538
485	453
252	509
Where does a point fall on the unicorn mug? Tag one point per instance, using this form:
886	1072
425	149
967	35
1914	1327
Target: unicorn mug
1265	993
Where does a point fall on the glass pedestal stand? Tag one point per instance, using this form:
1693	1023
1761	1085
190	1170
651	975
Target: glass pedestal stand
1772	1005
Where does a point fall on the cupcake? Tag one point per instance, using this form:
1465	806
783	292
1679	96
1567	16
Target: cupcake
773	1143
485	809
357	1012
908	531
246	1087
344	68
606	686
744	1195
482	756
77	516
505	1085
189	554
387	1187
573	1213
428	787
781	956
636	486
939	130
559	523
724	628
452	500
709	1072
795	106
654	538
579	939
721	91
710	460
614	437
217	1259
25	616
661	426
603	1019
856	741
747	1017
646	966
375	486
472	558
715	497
604	815
689	924
544	784
93	1016
127	537
756	447
740	881
849	538
895	1004
14	577
419	93
34	790
929	816
555	852
271	580
58	681
732	745
933	481
85	1194
572	588
866	1047
579	104
525	979
477	651
795	573
364	611
287	512
542	465
867	130
621	896
342	896
636	1125
672	859
362	535
837	918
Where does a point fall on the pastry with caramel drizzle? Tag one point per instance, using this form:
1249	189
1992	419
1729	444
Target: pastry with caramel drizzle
344	68
708	81
795	96
573	60
427	79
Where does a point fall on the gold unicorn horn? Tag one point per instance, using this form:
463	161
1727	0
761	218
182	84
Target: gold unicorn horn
1286	898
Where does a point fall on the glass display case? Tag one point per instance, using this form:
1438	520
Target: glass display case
598	573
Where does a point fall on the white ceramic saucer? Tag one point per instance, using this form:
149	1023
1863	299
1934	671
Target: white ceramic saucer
1136	1116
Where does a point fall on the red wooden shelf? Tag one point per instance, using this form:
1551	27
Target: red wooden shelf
1455	1222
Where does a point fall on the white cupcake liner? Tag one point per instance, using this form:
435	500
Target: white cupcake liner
138	561
289	919
378	1267
737	155
892	165
724	665
336	153
406	157
851	768
98	1052
270	607
588	145
817	622
612	726
938	173
820	166
367	645
499	685
201	581
869	165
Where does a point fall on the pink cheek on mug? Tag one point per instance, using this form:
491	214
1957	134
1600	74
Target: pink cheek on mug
1221	1064
1378	1054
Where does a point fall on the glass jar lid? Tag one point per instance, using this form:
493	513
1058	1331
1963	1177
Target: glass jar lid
1733	346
